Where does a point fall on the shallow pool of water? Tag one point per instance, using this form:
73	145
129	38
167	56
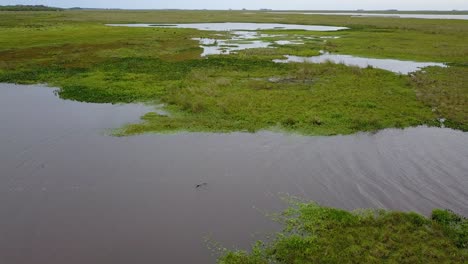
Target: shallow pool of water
395	15
238	26
396	66
244	35
71	194
224	47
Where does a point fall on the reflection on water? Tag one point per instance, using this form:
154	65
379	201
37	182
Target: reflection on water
238	26
242	40
397	66
70	194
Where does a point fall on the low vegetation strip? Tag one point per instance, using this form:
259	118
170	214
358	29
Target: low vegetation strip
316	234
29	8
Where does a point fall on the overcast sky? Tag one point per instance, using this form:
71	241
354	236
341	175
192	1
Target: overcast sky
255	4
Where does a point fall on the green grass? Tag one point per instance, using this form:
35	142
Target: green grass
311	100
316	234
92	62
29	8
446	91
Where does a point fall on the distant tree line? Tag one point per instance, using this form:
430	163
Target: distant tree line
29	8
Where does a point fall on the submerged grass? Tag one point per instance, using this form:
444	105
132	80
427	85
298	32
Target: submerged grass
316	234
92	62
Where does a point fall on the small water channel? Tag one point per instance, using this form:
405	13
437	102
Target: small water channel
72	194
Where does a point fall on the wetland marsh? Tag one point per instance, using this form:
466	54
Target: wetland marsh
127	135
66	184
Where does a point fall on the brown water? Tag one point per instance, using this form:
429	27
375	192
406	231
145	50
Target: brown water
70	194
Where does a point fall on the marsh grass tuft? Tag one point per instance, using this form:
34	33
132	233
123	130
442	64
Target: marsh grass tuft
316	234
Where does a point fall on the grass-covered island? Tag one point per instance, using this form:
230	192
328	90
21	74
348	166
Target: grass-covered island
316	234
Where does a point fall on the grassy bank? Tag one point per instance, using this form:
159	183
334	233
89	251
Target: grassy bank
315	234
91	62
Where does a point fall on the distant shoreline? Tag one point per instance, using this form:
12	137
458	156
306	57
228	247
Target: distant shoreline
388	11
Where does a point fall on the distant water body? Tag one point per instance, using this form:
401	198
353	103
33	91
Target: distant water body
420	16
227	26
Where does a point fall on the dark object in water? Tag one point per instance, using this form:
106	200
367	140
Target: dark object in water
201	185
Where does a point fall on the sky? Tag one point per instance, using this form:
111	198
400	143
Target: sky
255	4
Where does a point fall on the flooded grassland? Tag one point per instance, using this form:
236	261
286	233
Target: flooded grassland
210	81
374	109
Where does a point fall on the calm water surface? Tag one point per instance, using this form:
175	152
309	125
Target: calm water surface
396	66
228	26
70	194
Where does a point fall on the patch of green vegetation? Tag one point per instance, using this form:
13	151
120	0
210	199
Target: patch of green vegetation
92	62
437	47
316	234
29	8
234	98
446	91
